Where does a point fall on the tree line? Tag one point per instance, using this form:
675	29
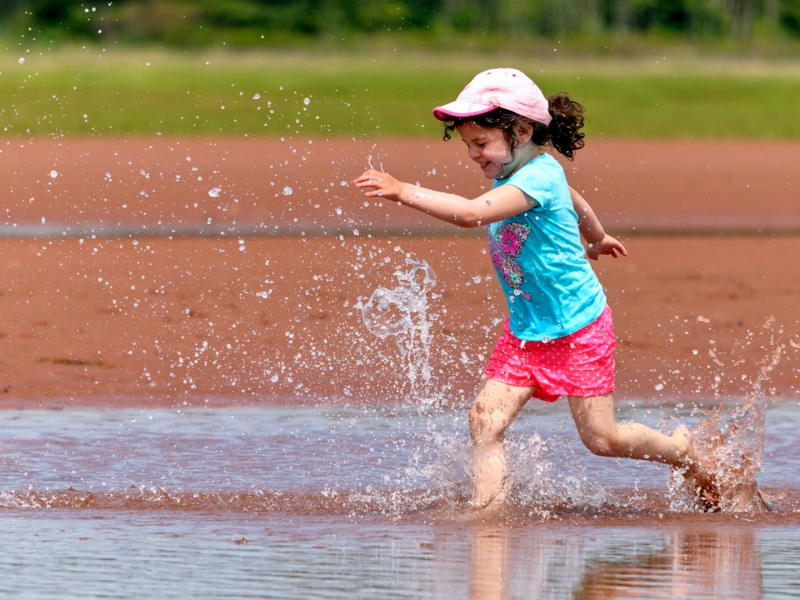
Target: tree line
275	21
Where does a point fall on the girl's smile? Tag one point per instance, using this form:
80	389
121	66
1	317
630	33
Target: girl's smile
488	147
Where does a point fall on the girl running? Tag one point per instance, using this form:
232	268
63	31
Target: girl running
559	338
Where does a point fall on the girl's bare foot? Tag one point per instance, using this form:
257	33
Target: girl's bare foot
683	440
491	505
702	483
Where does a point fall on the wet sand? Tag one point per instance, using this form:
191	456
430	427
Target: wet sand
162	185
159	321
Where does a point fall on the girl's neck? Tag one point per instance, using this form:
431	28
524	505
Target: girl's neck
523	156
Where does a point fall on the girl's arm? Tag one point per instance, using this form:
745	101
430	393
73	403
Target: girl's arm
495	205
598	240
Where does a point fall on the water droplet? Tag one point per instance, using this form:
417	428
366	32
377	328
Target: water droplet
214	192
287	191
338	211
344	184
274	379
659	387
306	101
54	174
257	96
22	61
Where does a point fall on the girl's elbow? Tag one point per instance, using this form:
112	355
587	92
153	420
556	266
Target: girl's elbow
468	224
469	221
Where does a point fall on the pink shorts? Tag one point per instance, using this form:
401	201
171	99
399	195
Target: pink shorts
580	364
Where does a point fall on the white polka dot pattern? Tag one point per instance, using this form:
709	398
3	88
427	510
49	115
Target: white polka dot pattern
580	364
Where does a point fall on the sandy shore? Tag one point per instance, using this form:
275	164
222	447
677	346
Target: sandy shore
154	321
272	187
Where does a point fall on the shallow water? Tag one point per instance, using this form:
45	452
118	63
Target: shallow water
119	555
325	450
335	502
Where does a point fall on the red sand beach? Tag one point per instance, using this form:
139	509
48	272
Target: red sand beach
143	319
191	185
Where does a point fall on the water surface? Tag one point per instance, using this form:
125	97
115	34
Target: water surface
337	502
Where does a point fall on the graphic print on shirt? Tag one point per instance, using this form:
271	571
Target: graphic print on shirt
505	246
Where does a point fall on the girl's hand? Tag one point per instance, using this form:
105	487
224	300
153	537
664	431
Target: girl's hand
374	183
608	245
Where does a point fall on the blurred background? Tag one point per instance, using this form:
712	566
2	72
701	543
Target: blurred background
665	68
271	23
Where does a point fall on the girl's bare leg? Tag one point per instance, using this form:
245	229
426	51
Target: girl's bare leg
600	432
495	407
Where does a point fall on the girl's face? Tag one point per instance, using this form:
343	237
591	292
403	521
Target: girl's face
488	148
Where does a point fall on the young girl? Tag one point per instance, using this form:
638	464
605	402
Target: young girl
559	339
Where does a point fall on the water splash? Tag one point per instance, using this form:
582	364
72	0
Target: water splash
403	312
549	480
730	447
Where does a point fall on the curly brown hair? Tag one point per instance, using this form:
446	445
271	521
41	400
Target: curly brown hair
563	133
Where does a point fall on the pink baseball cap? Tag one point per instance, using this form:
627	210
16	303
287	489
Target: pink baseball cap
498	88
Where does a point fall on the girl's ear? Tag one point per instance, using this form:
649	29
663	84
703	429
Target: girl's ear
524	132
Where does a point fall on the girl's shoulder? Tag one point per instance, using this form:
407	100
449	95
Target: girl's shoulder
544	164
542	179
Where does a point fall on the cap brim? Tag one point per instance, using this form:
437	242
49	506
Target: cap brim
460	110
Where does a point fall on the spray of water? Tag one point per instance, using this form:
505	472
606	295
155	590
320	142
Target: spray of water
403	313
730	449
544	482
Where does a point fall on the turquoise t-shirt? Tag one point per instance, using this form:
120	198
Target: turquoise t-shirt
550	288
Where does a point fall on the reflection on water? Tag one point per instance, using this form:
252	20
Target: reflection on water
69	554
681	563
489	564
708	564
335	502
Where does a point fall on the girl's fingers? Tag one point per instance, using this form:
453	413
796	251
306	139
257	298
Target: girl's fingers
365	176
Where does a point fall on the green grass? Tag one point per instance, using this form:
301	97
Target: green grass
356	94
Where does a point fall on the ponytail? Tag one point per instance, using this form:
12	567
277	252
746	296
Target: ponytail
567	120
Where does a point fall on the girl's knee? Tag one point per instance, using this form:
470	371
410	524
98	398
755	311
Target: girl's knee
477	419
601	443
485	425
